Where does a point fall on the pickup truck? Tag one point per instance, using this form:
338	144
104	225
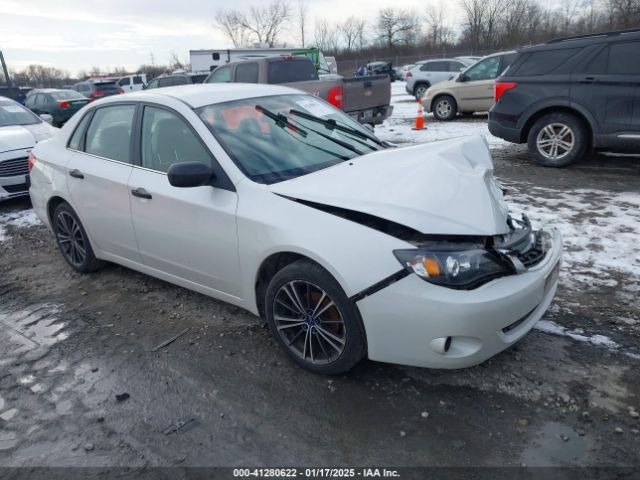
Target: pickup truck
365	99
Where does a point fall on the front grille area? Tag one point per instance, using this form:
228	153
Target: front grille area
15	166
534	255
16	188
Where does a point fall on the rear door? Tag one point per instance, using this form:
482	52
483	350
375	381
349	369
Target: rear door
98	175
608	87
187	233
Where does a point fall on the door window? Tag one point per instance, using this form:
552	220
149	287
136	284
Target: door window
40	100
109	134
167	139
137	80
456	66
484	70
124	82
75	143
220	75
247	73
623	59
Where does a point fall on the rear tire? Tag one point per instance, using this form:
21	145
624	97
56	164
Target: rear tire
444	108
73	240
557	139
419	90
312	319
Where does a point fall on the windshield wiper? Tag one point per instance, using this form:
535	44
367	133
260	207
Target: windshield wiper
281	120
332	124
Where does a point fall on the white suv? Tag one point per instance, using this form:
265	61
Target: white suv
430	72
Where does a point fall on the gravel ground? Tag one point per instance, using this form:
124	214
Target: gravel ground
81	384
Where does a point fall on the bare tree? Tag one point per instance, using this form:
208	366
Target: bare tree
326	36
395	26
439	32
301	18
352	29
262	23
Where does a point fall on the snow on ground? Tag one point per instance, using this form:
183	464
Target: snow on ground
21	219
600	229
398	128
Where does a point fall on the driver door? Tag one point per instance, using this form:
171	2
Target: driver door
183	233
475	88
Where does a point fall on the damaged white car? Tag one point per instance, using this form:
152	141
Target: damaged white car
276	202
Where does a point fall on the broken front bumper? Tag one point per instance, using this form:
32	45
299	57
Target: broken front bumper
411	321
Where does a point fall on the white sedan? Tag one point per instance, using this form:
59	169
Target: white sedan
274	201
20	130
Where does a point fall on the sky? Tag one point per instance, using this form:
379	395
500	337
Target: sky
78	35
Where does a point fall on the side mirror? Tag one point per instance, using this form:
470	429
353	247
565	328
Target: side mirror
462	78
190	174
47	118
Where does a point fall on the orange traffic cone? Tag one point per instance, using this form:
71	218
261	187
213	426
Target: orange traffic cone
420	118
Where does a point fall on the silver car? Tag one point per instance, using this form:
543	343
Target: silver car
430	72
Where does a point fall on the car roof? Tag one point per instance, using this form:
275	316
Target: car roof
200	94
585	40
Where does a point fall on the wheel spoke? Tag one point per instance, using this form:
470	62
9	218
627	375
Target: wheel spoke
304	351
295	293
324	295
549	131
293	298
287	319
566	145
324	350
326	307
311	345
564	131
328	340
295	337
296	311
291	325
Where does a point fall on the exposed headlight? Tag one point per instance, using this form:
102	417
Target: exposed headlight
451	267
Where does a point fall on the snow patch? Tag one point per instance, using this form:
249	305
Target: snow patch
600	231
398	128
578	334
22	219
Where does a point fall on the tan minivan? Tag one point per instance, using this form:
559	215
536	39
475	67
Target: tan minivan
469	91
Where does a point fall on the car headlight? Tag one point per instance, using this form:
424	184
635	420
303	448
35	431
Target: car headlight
452	267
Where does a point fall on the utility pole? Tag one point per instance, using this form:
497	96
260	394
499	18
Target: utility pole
6	72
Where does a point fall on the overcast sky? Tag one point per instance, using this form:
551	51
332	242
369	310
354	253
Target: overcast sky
77	35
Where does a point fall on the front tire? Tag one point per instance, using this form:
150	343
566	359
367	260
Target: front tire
444	108
73	240
557	139
312	319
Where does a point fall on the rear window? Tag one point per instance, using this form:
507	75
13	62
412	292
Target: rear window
285	71
545	62
247	73
105	87
66	95
12	113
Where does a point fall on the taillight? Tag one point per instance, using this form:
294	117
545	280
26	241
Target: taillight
501	88
32	161
334	97
97	93
120	90
64	104
409	74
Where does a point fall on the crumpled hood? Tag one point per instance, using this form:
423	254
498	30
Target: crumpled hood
17	137
444	187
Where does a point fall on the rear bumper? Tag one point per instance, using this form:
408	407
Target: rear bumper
512	135
407	322
373	116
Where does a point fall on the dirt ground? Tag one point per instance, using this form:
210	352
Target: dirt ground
81	384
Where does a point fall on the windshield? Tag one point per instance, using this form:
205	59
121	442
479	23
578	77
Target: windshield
271	144
12	113
66	95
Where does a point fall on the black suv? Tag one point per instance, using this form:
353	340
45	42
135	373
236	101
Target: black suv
570	95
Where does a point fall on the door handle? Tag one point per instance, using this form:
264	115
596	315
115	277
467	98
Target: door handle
75	173
141	193
589	80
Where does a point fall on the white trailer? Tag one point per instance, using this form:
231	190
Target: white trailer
207	60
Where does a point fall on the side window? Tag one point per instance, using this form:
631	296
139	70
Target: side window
153	84
455	66
29	102
544	62
623	59
167	139
75	143
109	134
137	80
507	60
247	73
40	99
165	82
123	81
221	75
485	70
